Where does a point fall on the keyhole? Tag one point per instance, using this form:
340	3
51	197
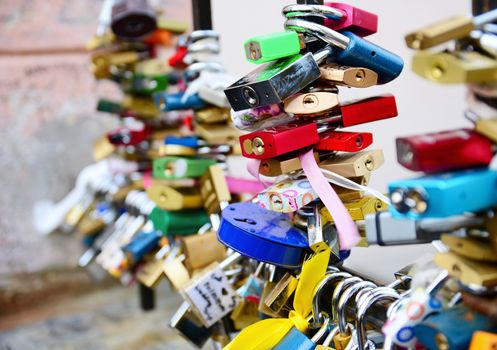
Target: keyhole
437	71
246	220
369	164
360	75
310	101
358	141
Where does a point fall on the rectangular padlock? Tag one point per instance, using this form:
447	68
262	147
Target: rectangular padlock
268	287
202	250
214	190
173	199
469	272
344	141
471	248
212	114
153	67
150	272
287	196
279	140
273	82
176	272
284	164
144	107
354	164
487	128
245	314
429	152
131	135
355	20
140	84
348	76
172	25
167	102
185	222
270	47
483	340
218	134
171	168
359	209
141	244
312	104
281	293
454	67
444	194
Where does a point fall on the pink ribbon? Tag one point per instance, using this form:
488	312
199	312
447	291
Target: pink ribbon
348	235
240	186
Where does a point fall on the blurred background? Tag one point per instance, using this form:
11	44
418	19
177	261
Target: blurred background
48	124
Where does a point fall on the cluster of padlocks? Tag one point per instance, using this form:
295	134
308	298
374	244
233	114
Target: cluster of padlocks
266	271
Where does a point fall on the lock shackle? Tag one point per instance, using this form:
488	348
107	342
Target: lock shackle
209	47
318	291
323	330
339	289
202	34
346	296
375	295
198	67
323	11
326	34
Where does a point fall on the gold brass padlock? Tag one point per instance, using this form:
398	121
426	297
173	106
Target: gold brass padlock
454	67
359	209
169	198
313	104
176	272
89	226
278	297
245	314
102	149
488	128
214	190
151	272
469	272
471	248
106	59
176	150
449	29
268	287
491	226
348	76
99	41
218	134
202	250
282	165
145	107
153	67
212	114
172	25
354	164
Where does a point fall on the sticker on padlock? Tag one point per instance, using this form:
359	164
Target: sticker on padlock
260	117
211	296
428	152
287	196
443	195
262	235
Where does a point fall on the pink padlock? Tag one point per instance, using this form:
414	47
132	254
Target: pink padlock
355	20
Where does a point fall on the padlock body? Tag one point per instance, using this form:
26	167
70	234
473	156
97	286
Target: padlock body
357	21
344	141
270	47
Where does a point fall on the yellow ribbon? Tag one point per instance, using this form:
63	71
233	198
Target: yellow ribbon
266	334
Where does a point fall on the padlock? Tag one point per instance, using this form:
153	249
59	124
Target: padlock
450	29
152	67
296	339
172	25
202	250
355	20
187	324
214	96
443	195
100	41
105	60
186	141
185	222
104	105
454	67
349	49
273	82
271	47
467	271
491	226
384	229
344	141
354	164
471	248
483	341
139	246
170	168
210	295
173	102
359	209
244	314
348	76
140	84
150	272
169	150
142	106
173	199
487	128
314	104
281	293
284	164
262	235
443	330
212	114
218	134
176	272
129	135
287	196
132	19
214	190
428	152
279	140
263	308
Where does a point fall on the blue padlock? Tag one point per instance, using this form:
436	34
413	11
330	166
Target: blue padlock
452	329
352	50
444	195
173	102
186	141
141	245
295	339
262	235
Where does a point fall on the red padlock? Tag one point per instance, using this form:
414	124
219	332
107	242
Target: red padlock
443	151
355	20
344	141
278	140
176	60
128	136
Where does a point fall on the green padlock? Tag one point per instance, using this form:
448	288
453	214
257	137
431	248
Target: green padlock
141	84
173	168
270	47
109	106
184	222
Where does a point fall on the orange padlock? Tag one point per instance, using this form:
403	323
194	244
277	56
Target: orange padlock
483	341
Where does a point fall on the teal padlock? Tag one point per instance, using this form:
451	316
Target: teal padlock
173	168
295	339
182	223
